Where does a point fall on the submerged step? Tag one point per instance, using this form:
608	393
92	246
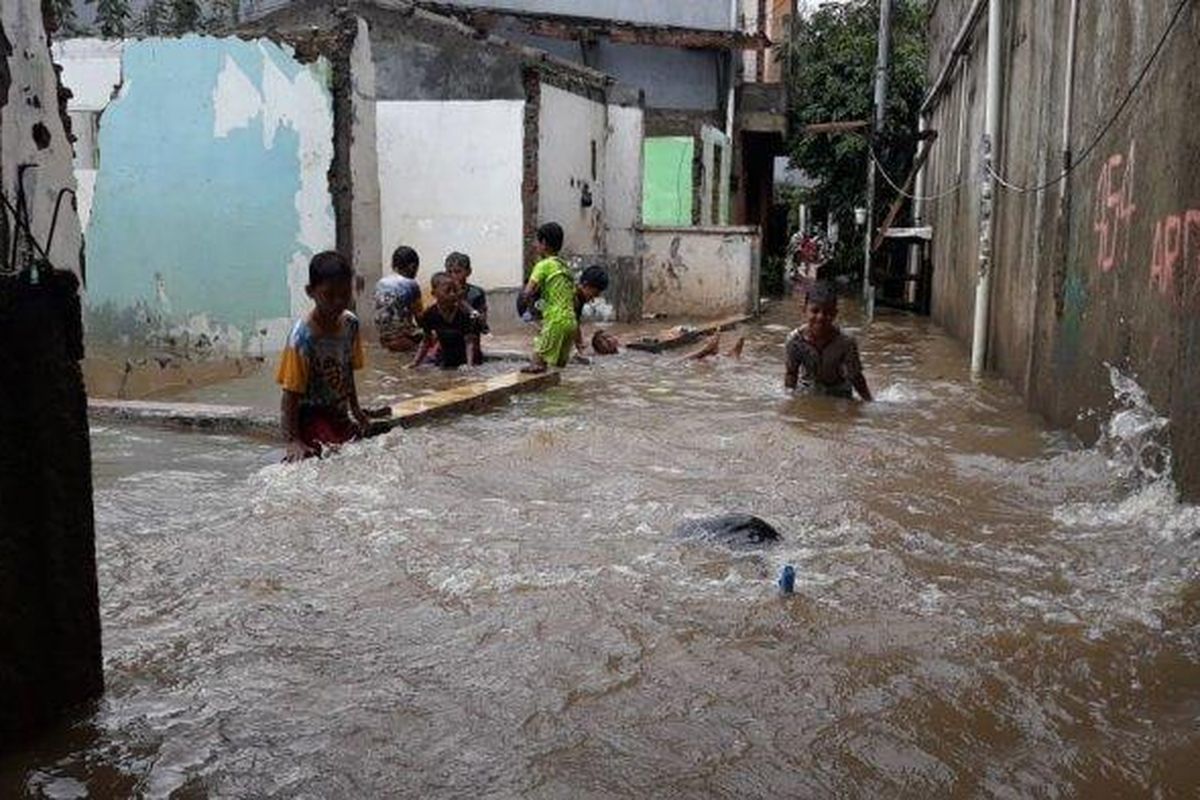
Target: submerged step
201	416
681	335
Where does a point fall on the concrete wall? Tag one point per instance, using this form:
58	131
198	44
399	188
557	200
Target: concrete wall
699	271
572	140
1103	267
49	607
712	14
212	190
450	176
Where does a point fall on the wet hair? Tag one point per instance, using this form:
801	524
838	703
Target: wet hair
551	235
405	260
595	277
439	278
327	267
457	259
822	294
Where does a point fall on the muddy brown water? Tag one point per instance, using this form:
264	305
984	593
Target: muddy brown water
496	607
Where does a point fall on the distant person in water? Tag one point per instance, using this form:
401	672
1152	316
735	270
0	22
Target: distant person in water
458	267
316	373
398	303
820	358
593	282
451	327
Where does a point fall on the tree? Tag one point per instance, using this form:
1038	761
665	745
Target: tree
831	68
112	17
185	16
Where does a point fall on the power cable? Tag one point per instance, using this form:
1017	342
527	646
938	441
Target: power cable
899	190
1087	151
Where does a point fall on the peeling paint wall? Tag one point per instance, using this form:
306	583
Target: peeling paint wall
211	192
572	143
450	178
623	178
699	271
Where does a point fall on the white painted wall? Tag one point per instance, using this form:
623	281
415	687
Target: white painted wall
450	179
623	179
364	170
32	100
568	125
699	271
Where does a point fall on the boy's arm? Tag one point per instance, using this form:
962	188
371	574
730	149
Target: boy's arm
474	352
579	338
791	372
860	386
289	418
423	348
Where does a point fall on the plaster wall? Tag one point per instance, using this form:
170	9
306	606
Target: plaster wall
699	271
212	189
450	177
623	179
572	143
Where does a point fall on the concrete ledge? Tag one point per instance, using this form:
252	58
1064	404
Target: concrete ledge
198	416
684	335
463	399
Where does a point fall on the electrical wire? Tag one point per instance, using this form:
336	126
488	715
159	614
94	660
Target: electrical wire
899	190
1087	151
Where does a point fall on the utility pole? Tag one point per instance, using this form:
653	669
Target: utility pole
882	65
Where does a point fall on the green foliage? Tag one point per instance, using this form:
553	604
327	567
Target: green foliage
65	21
831	64
185	16
112	17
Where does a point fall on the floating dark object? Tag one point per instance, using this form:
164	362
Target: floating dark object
732	530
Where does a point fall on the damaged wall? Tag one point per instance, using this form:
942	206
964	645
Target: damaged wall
572	139
450	174
212	189
49	607
695	271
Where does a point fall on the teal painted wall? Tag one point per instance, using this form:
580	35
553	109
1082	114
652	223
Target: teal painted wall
211	193
667	185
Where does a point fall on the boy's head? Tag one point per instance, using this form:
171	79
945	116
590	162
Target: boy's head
458	267
446	290
821	306
605	344
593	282
330	283
549	239
405	261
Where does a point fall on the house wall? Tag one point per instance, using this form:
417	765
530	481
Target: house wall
1100	268
450	177
712	14
694	271
572	139
212	190
668	192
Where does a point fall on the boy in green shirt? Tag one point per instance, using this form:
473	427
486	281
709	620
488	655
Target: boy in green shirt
551	279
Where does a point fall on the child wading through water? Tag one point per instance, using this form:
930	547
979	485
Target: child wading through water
458	267
451	325
820	358
320	403
560	302
398	303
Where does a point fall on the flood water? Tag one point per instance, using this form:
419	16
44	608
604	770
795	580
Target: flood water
496	606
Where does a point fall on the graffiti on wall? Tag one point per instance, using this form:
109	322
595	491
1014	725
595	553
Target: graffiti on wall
1114	209
1175	257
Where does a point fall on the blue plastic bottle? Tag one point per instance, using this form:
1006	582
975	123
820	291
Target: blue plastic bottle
787	579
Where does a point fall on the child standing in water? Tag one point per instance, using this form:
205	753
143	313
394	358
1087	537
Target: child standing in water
451	325
320	403
820	358
398	303
551	279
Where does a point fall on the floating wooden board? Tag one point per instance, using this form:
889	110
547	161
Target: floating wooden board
200	416
463	399
678	337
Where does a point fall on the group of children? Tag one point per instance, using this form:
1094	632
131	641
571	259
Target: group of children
320	404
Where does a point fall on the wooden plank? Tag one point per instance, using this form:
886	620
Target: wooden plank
199	416
463	399
684	335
